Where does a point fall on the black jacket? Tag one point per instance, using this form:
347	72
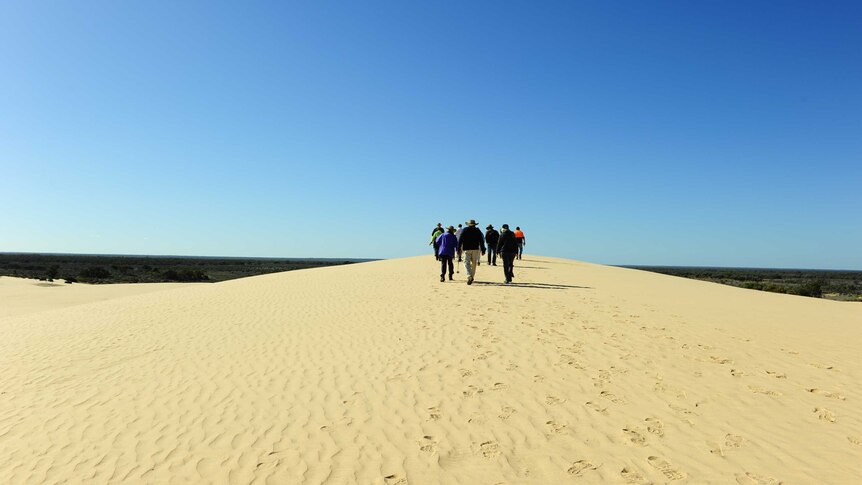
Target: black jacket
471	238
507	243
491	238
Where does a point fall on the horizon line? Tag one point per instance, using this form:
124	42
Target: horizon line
353	259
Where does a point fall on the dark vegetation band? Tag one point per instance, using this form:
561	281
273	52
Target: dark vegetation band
146	269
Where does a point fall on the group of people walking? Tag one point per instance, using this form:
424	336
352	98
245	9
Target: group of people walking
469	244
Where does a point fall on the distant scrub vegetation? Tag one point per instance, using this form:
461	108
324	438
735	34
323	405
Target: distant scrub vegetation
145	269
836	285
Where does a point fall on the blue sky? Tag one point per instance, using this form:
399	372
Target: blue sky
679	133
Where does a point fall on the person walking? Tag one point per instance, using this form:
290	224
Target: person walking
471	243
522	241
448	243
491	239
434	235
438	228
507	246
458	236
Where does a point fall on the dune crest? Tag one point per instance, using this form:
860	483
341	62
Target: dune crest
378	373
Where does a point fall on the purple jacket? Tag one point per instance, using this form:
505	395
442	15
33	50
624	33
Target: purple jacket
447	243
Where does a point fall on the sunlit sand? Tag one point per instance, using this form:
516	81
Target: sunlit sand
378	373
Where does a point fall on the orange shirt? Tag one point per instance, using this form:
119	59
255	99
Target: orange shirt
519	234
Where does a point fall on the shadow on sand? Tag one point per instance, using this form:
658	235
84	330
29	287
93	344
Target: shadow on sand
542	286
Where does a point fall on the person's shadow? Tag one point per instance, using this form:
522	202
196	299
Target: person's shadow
542	286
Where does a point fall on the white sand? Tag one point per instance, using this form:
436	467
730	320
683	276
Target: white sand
378	373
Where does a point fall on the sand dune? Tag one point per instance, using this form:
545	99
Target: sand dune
378	373
20	296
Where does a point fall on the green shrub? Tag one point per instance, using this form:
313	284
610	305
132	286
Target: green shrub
95	272
810	288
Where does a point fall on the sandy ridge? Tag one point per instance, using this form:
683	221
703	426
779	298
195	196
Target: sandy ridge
378	373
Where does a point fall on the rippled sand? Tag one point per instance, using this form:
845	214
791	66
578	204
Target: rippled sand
378	373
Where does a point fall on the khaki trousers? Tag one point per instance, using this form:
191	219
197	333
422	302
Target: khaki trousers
471	261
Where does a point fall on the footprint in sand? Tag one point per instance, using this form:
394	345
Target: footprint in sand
631	476
428	444
489	449
612	397
715	448
666	469
499	386
552	400
396	479
634	437
655	426
566	359
506	412
433	413
580	467
829	394
855	440
733	441
825	415
682	410
762	390
556	428
718	360
777	375
823	366
465	372
595	407
755	479
471	390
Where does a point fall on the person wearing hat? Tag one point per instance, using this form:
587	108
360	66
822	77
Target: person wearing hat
507	246
472	242
491	238
434	235
448	243
439	227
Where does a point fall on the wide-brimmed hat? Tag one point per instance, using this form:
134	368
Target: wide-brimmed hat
505	226
471	222
490	226
450	228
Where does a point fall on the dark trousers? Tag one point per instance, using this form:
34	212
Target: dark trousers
509	265
444	260
492	255
520	249
436	248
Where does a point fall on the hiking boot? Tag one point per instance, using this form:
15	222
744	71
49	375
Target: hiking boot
450	276
442	279
469	280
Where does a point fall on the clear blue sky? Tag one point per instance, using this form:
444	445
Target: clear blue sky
680	133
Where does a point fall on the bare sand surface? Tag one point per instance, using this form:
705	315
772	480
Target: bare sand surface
377	373
19	296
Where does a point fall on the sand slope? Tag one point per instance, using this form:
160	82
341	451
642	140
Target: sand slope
378	373
20	296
